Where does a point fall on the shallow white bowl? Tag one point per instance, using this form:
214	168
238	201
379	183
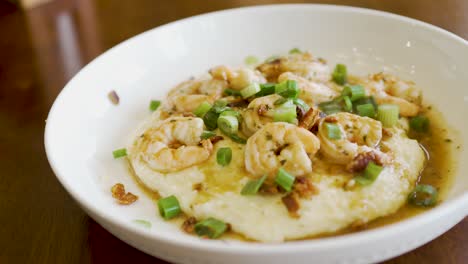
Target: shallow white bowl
83	127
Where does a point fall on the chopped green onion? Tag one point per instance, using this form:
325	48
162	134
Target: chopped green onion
250	90
154	104
280	101
365	100
143	223
253	186
202	109
419	123
423	195
371	173
210	227
211	119
220	106
266	89
230	112
287	89
301	104
250	60
231	92
333	131
284	179
228	124
237	139
169	207
294	51
388	114
207	134
119	153
224	156
285	113
339	75
330	107
366	110
348	105
355	92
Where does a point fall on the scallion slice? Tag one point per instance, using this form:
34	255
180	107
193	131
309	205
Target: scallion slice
224	156
143	223
207	134
287	89
220	106
202	109
251	60
119	153
301	104
210	227
232	92
253	186
280	101
285	180
169	207
419	124
211	119
285	113
366	110
237	139
369	175
388	114
423	195
154	105
295	51
228	124
330	107
266	89
348	105
250	90
355	92
339	75
333	131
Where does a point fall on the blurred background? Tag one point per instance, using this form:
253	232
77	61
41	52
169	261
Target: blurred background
43	43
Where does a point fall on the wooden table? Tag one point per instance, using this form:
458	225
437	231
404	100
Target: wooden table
41	49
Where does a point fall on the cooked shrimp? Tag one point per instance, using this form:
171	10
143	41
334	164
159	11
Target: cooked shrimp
278	145
358	135
258	113
387	89
237	79
174	144
311	92
186	96
302	64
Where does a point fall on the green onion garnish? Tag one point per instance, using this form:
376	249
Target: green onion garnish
231	92
280	101
295	51
301	104
285	113
169	207
287	89
207	134
143	223
366	110
419	124
210	227
228	124
224	156
348	105
369	175
339	75
237	139
119	153
202	109
154	104
250	90
388	114
284	179
253	186
220	106
355	92
251	60
333	131
211	119
330	107
266	89
423	195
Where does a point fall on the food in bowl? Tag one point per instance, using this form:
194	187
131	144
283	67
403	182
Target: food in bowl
286	150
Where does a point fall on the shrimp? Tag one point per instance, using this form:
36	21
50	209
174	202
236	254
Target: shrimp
387	89
311	92
258	113
278	145
359	135
188	95
302	64
237	79
174	144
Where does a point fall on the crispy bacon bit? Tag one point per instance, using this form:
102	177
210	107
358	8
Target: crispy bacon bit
267	188
238	102
189	224
310	119
118	192
331	119
215	139
291	202
262	110
360	162
188	114
304	187
300	112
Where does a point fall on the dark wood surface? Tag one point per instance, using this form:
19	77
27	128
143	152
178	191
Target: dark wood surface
42	48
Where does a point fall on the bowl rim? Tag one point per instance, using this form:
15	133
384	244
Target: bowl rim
257	247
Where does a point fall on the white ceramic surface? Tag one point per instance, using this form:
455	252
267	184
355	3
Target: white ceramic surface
83	127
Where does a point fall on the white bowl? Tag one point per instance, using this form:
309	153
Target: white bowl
83	127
